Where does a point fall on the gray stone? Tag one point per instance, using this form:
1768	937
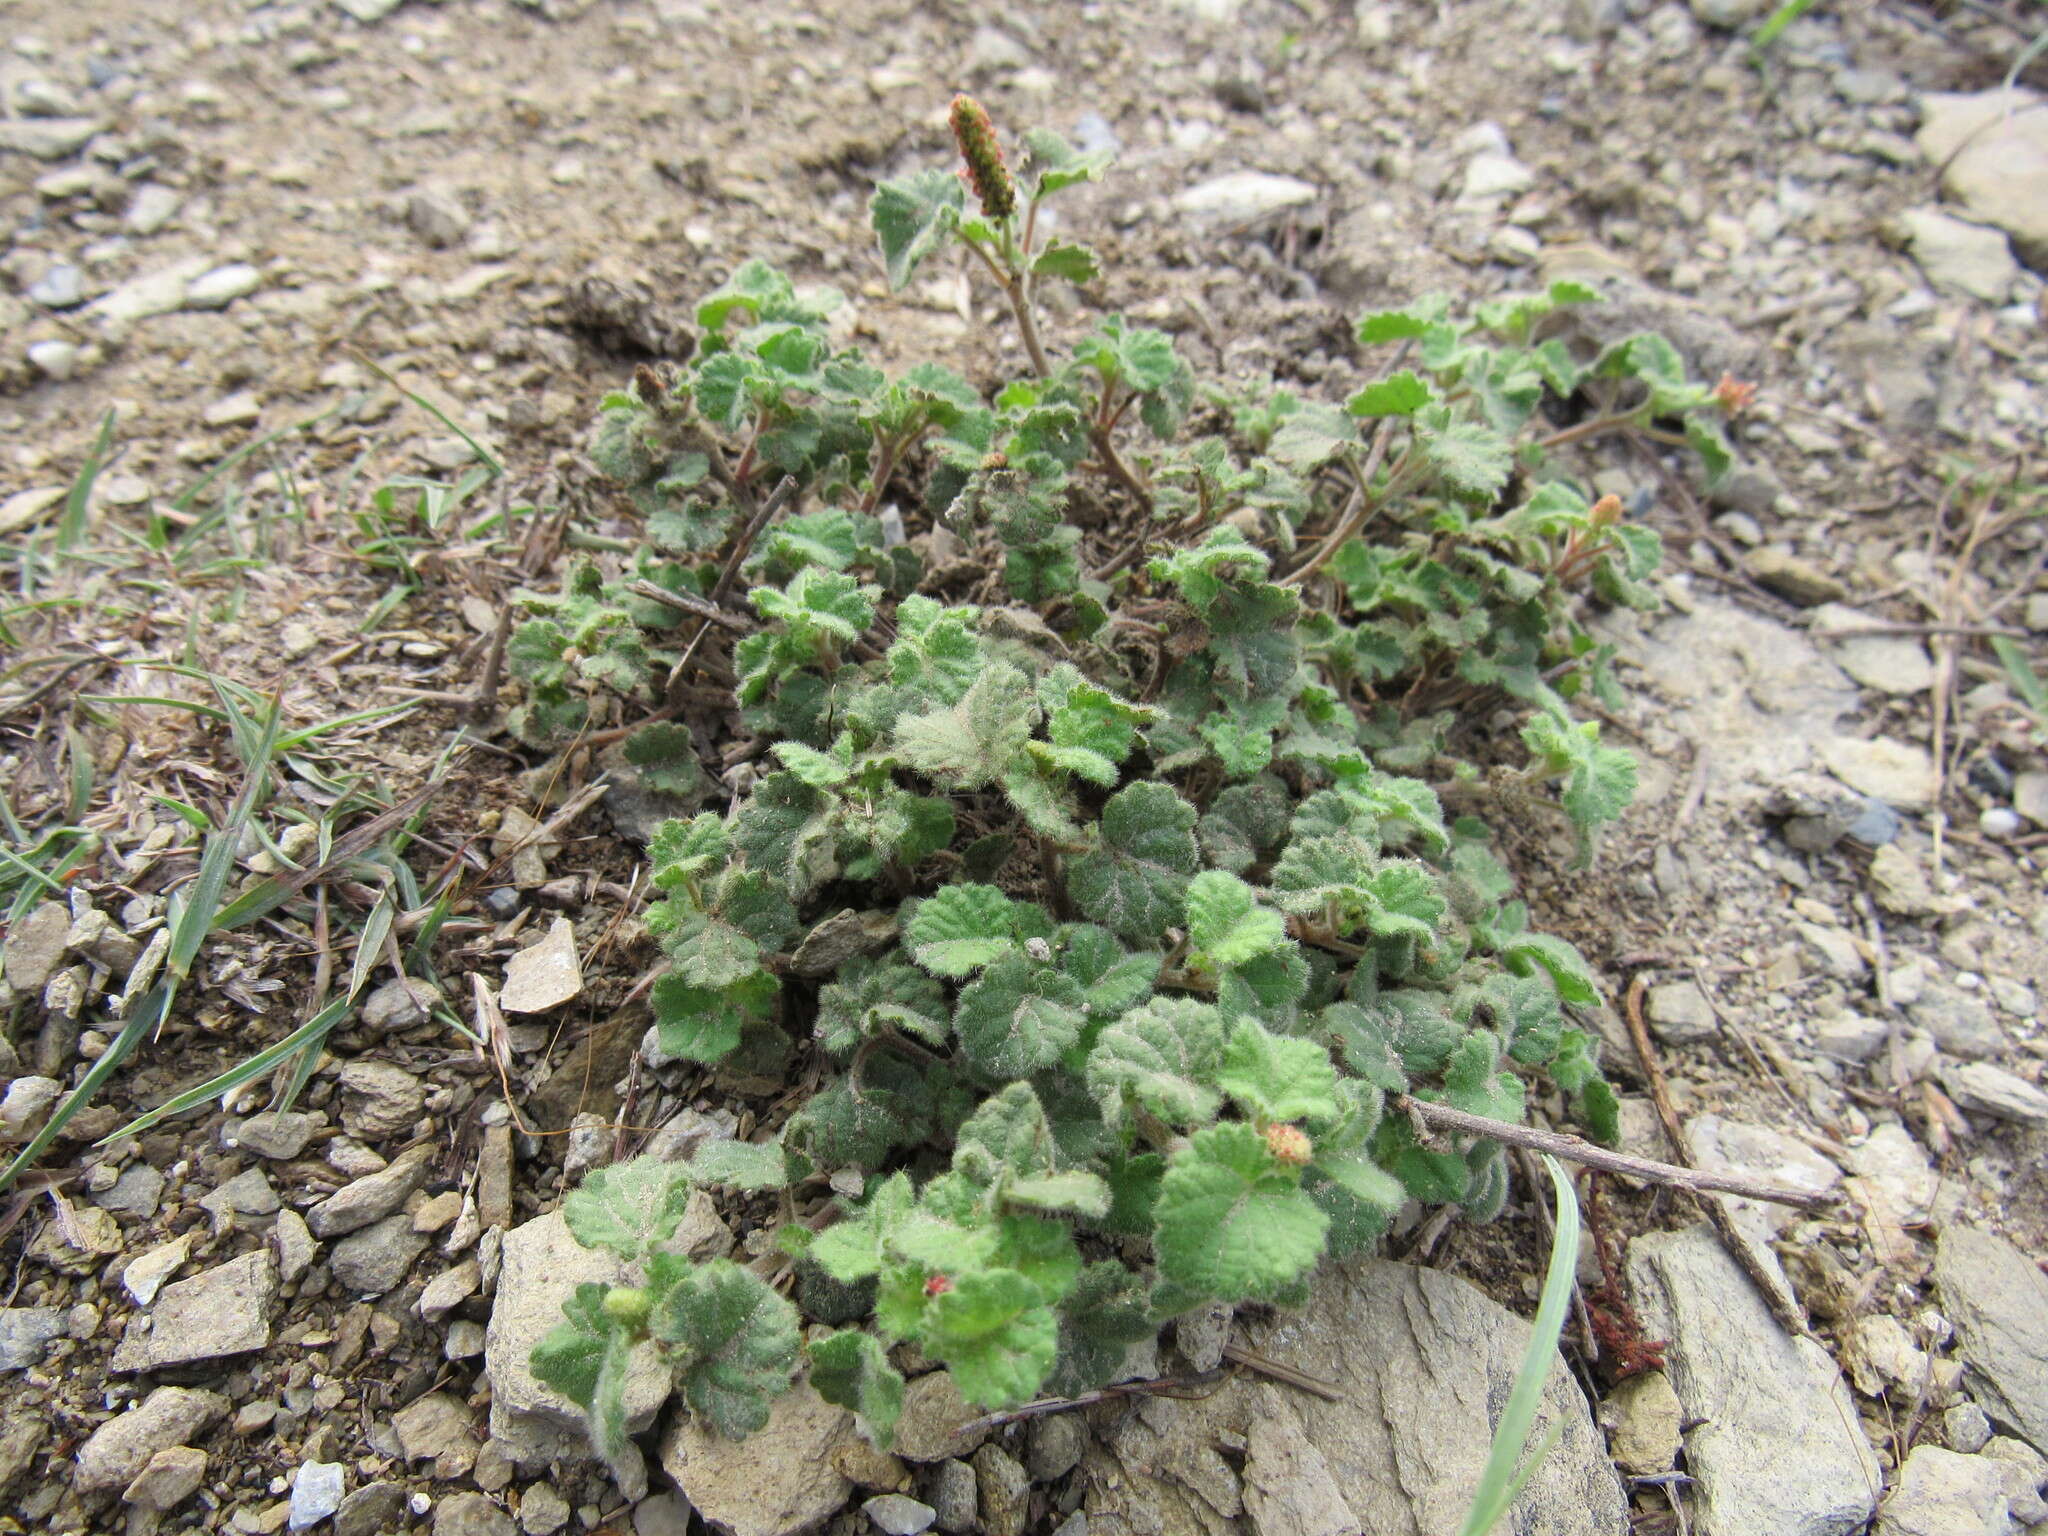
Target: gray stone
1967	1428
1960	1022
1850	1036
1942	1494
294	1244
662	1515
1992	147
1053	1446
167	1479
1643	1421
540	1267
469	1514
144	1275
437	217
1423	1360
398	1004
1899	774
1896	664
379	1099
1998	1300
1958	256
46	138
933	1415
150	209
954	1497
1242	197
144	297
370	1510
1004	1490
1893	1163
2030	797
1836	949
543	975
62	287
1679	1013
2025	1470
120	1448
371	1198
281	1135
35	947
1729	14
1776	1446
1493	173
1989	1090
56	359
542	1511
1201	1334
1792	577
220	1311
248	1193
317	1489
437	1428
25	1332
373	1260
780	1480
26	1105
222	286
897	1514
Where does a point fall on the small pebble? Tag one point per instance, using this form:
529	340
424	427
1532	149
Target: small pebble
1999	822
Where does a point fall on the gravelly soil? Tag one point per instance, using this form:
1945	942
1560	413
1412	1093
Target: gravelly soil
499	208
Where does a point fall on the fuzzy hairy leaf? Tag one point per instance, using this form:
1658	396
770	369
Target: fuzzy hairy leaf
1277	1077
870	995
1232	1221
745	1165
1226	925
851	1369
1161	1058
628	1209
570	1355
958	929
733	1341
975	742
912	217
1567	968
996	1334
1133	883
1018	1017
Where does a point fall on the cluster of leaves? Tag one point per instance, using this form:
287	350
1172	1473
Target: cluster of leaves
1120	921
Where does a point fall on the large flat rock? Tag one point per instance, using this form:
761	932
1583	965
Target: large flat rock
1425	1362
1998	1300
1777	1445
542	1266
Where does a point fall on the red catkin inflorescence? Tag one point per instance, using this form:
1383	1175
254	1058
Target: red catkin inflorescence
938	1285
985	171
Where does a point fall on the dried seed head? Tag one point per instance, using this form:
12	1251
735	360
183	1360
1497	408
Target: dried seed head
1289	1144
646	384
985	171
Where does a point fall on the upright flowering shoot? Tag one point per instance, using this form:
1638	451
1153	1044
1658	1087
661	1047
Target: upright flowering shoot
985	172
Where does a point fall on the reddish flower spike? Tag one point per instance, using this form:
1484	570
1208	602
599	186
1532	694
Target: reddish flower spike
985	171
938	1285
1733	396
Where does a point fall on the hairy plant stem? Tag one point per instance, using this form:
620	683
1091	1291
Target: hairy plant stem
1356	510
1592	427
1013	276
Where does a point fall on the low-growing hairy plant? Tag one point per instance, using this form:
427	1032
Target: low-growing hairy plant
1113	911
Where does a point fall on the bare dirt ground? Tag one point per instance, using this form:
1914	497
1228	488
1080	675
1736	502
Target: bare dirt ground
279	228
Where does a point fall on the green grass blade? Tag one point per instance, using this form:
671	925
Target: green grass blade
376	929
439	415
1500	1481
1777	22
310	1033
191	493
200	906
149	1012
71	527
2026	682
